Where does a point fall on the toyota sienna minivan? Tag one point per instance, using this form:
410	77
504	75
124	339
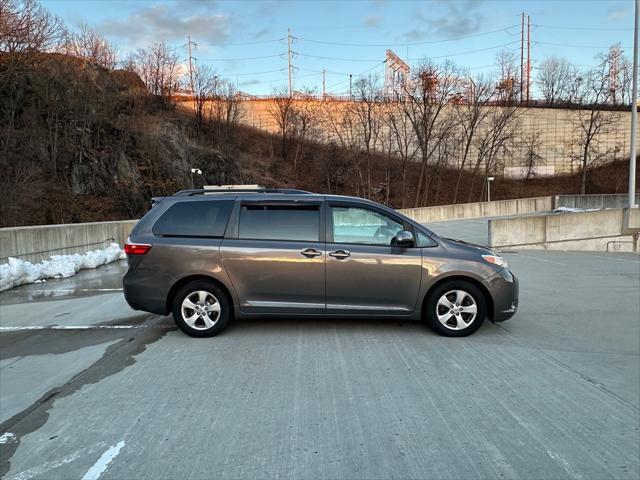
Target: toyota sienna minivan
214	254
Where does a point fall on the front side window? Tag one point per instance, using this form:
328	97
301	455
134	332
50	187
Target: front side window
194	219
423	240
280	222
363	226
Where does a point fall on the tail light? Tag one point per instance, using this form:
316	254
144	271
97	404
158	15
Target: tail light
136	248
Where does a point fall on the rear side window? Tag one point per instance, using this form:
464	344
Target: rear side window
194	219
280	222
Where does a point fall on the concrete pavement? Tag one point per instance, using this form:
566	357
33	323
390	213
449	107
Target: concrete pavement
552	393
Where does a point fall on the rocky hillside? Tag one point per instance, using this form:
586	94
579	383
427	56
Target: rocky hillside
81	143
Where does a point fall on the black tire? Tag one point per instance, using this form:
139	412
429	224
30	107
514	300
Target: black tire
449	286
221	320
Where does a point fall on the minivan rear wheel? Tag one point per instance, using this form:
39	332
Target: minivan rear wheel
456	308
201	309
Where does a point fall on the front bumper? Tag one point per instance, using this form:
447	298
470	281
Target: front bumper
505	290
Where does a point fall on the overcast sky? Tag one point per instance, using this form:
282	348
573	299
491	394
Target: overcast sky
246	40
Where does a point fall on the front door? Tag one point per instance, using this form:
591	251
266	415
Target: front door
276	263
365	273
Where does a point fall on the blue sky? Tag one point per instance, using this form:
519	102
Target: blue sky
245	41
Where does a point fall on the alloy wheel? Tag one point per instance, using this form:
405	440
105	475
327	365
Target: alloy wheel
456	309
200	310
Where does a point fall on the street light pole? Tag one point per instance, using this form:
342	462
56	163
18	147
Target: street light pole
489	180
634	112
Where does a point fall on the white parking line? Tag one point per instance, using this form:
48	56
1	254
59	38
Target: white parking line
103	462
68	327
86	290
543	260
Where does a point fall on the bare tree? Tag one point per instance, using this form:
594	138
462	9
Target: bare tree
205	85
26	26
91	46
623	80
282	111
532	144
471	114
556	80
493	143
426	95
402	139
591	123
305	116
157	66
342	126
508	85
225	110
367	112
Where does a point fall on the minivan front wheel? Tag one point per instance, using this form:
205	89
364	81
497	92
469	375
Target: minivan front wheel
201	309
456	308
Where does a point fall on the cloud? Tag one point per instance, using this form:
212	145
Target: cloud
260	34
170	22
618	14
447	20
372	21
249	83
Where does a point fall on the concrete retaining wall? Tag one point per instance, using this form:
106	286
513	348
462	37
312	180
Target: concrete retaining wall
480	209
588	202
38	243
602	230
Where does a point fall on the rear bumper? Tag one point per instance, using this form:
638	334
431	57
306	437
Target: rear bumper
141	297
505	291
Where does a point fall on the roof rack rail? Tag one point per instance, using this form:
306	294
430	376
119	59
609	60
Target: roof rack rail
212	189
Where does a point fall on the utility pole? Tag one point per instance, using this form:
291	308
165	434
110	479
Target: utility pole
324	84
289	55
189	43
521	57
528	56
634	112
350	95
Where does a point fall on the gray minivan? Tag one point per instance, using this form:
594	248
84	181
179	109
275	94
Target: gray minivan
211	255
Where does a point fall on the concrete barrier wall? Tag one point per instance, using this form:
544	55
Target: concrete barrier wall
602	230
588	202
480	209
38	243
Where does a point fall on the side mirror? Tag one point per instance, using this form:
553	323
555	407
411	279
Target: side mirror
403	239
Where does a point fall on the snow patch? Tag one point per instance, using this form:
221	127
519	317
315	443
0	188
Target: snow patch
573	210
17	272
7	437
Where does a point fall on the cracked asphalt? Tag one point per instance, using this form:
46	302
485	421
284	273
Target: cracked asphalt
552	393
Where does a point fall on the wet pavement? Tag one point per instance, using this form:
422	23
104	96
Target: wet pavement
86	283
90	387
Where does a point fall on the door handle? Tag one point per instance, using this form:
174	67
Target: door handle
310	252
340	254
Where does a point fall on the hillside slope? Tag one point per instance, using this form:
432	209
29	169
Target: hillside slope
80	143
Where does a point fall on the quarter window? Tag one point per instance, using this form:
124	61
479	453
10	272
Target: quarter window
280	222
194	219
363	226
424	240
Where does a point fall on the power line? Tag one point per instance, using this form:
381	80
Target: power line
407	44
241	59
256	42
468	52
251	73
573	45
361	74
562	27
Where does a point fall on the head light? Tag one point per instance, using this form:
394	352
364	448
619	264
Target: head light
496	260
